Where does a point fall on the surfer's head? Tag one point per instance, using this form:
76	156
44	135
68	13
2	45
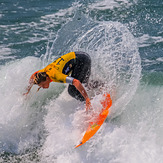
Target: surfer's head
42	79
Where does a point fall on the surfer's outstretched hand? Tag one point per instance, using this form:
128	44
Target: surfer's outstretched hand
88	104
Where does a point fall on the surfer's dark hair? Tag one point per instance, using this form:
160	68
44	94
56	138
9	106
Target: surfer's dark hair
40	77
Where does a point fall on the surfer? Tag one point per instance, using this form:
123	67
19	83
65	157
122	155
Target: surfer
73	68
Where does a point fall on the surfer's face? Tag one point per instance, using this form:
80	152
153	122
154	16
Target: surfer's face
44	84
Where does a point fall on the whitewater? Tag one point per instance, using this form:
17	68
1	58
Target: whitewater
45	126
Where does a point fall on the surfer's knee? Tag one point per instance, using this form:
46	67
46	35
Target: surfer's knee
83	57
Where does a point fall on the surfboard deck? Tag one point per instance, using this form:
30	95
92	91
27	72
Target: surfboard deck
94	126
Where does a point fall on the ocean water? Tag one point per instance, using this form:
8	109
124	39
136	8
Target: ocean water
125	41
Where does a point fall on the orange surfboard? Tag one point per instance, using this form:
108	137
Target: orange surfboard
94	126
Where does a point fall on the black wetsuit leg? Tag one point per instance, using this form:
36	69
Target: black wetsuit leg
81	71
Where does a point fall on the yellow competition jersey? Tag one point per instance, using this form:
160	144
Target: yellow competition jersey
60	68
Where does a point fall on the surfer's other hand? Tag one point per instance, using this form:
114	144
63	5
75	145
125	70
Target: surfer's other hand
88	104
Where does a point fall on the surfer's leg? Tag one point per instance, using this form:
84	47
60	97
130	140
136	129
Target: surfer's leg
81	72
82	69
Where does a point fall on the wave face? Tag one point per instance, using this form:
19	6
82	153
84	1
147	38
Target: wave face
126	56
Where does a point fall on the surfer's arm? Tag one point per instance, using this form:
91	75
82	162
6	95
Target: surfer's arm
83	92
30	83
28	88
